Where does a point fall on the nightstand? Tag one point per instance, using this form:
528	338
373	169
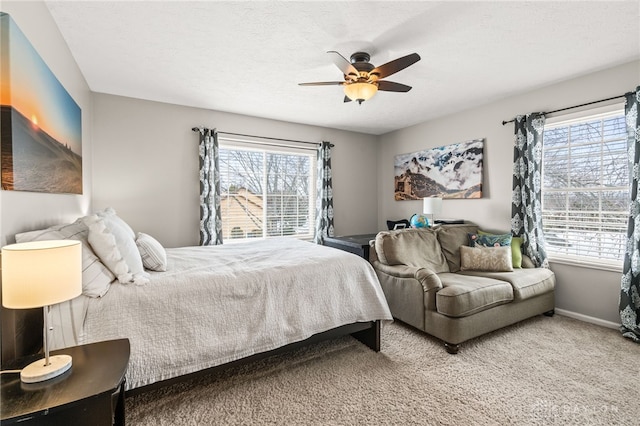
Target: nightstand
91	393
357	244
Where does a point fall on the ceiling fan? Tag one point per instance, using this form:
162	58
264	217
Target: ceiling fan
362	80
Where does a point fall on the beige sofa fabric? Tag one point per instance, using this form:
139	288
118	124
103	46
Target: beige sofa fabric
411	247
451	237
455	305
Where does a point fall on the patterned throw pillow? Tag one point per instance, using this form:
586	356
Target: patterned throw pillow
488	259
489	240
516	248
154	256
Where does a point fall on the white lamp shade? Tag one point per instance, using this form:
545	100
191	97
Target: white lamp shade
41	273
361	91
431	205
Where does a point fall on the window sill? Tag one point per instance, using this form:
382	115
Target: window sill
591	264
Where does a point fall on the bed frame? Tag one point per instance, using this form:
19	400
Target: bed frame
22	336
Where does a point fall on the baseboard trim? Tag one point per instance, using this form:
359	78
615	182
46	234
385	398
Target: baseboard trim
587	318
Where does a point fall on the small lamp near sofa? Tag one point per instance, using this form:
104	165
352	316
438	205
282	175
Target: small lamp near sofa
39	274
432	206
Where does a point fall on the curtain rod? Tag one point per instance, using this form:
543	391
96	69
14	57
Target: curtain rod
197	129
572	107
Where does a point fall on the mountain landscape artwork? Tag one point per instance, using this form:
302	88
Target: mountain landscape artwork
40	123
451	171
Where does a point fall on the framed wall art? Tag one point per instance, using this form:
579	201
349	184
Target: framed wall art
40	123
451	171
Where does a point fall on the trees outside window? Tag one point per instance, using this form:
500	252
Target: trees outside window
585	188
266	192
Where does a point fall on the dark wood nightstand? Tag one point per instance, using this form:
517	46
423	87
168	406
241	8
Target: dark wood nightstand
91	393
357	244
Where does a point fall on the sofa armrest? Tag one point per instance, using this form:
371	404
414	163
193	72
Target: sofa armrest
426	277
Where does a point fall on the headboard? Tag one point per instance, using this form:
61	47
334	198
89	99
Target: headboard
21	330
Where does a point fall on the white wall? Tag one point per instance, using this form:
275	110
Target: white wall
147	165
587	292
21	211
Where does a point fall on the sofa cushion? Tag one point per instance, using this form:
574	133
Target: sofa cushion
495	259
451	237
465	295
526	282
412	247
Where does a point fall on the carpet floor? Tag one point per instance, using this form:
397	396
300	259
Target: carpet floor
542	371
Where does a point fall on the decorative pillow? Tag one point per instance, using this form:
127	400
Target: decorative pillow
154	256
125	240
489	240
104	244
96	277
516	248
489	259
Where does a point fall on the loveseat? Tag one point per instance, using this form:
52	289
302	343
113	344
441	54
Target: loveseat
434	281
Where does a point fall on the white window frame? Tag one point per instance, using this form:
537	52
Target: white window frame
258	145
565	120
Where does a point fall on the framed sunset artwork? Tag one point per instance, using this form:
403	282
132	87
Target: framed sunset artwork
40	123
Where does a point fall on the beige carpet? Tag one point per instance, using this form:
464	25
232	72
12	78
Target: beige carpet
546	371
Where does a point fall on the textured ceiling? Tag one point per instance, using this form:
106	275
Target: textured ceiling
248	57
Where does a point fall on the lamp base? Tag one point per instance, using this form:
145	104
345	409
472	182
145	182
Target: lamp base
39	372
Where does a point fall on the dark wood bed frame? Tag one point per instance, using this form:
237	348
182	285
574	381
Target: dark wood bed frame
22	336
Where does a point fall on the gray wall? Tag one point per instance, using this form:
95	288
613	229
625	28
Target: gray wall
587	292
147	165
141	158
21	211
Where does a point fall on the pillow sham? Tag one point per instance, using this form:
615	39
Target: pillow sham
516	249
96	277
487	259
154	256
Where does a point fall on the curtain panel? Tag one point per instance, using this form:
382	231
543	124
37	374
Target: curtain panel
324	203
630	286
210	213
526	207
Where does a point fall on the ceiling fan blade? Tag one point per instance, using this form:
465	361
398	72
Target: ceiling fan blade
394	66
390	86
347	99
344	65
323	83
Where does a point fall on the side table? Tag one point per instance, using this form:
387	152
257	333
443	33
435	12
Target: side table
357	244
90	393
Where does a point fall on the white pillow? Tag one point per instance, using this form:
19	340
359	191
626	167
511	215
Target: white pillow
104	244
113	221
154	256
96	277
125	243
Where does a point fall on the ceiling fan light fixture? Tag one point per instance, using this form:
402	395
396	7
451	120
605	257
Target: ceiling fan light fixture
360	91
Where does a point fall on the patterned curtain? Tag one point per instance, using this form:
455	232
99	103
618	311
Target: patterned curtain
630	291
324	203
526	207
210	215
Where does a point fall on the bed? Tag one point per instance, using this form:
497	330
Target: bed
217	305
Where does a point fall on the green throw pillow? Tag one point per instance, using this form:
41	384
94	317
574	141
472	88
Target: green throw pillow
516	248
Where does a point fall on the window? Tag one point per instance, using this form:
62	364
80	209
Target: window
266	191
585	188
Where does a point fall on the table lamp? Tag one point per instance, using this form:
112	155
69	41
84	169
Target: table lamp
39	274
432	206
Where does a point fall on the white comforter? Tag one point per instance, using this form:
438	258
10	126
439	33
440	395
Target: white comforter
220	303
